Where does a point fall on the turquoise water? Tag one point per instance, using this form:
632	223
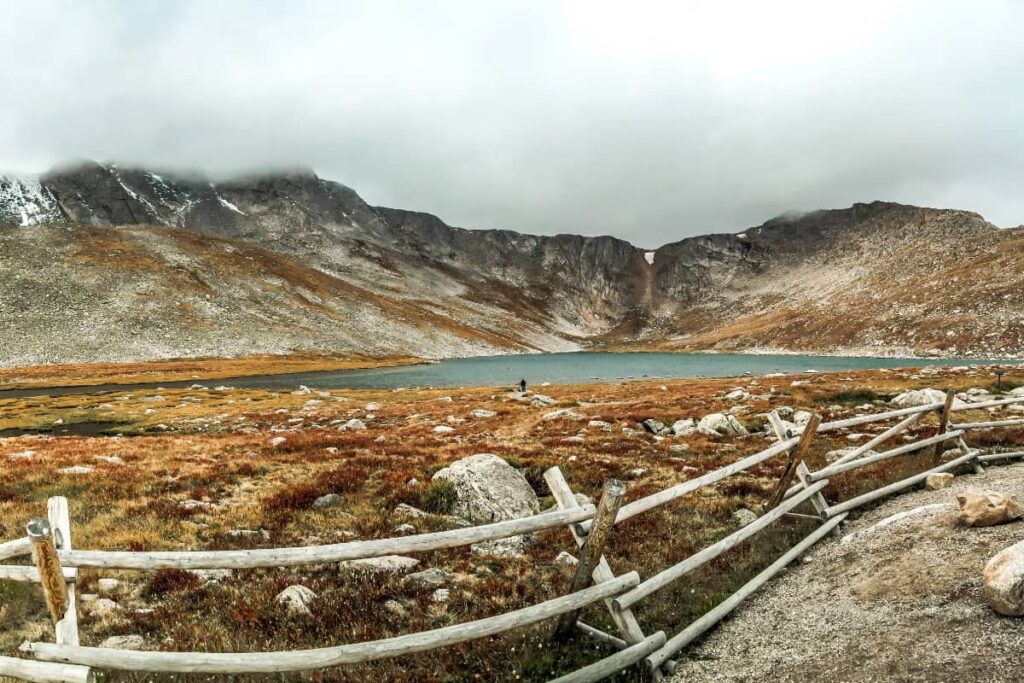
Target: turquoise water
556	368
568	368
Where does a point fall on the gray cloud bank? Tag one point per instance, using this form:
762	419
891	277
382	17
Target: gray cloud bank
646	120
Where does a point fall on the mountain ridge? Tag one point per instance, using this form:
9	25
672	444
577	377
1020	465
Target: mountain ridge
822	281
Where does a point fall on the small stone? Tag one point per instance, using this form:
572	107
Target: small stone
443	429
405	529
430	577
277	441
410	511
481	413
76	469
566	559
123	643
355	425
678	448
327	501
296	599
395	608
743	516
563	413
540	400
939	480
108	586
441	595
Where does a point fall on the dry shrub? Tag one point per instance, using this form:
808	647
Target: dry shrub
1004	436
170	581
293	497
343	479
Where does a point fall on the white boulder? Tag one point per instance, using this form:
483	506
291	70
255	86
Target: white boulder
717	424
488	489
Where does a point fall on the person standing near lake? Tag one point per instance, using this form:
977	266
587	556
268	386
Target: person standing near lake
522	386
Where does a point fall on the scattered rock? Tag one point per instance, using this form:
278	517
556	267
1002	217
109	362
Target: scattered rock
922	397
832	456
441	595
743	516
108	586
987	508
297	599
488	489
190	504
443	429
600	424
721	424
565	413
75	469
481	413
430	577
355	425
123	643
1003	581
261	534
684	427
388	564
566	559
409	511
405	529
540	400
939	480
395	608
678	448
277	441
737	395
327	501
654	426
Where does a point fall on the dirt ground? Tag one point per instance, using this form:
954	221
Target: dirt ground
898	602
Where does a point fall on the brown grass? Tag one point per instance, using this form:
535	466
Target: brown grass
216	448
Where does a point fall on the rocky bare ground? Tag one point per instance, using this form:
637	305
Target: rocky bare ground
898	597
290	261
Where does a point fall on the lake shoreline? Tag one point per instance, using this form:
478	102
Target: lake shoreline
497	370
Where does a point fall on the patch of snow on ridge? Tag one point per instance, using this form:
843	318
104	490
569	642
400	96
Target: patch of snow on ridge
649	257
25	202
229	205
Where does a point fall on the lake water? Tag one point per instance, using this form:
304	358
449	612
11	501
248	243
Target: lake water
556	368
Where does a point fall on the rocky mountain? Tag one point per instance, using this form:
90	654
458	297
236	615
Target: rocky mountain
99	262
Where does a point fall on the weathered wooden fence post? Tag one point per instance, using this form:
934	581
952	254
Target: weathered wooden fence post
592	551
51	576
60	519
943	425
796	456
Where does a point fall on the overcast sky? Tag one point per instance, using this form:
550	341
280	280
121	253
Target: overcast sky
650	121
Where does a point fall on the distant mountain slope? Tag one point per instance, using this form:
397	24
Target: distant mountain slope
102	262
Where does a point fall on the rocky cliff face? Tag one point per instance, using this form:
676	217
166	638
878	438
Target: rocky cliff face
323	269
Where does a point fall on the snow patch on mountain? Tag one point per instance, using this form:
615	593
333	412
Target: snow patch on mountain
25	202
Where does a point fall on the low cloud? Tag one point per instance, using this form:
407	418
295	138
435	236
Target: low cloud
650	121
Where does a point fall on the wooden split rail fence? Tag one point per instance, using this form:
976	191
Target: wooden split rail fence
56	562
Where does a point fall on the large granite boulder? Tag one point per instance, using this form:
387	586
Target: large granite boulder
488	489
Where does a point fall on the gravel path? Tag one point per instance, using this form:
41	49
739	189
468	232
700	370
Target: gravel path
898	602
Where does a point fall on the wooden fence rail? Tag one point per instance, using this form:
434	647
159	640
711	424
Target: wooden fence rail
57	562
